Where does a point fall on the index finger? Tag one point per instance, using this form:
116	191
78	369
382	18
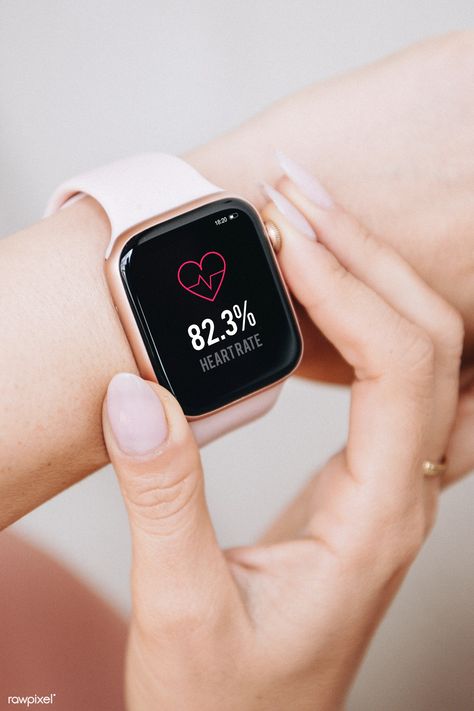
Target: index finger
392	359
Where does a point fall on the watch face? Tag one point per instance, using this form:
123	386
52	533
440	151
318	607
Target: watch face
210	305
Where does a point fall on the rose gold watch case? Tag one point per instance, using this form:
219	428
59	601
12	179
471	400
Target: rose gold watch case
124	310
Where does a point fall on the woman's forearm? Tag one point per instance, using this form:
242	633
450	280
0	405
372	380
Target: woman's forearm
60	335
391	142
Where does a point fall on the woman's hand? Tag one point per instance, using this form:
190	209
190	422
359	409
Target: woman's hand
401	168
321	359
283	625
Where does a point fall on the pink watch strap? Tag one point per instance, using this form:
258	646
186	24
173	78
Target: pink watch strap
213	426
133	190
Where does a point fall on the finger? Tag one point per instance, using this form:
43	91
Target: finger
460	454
392	359
178	570
387	273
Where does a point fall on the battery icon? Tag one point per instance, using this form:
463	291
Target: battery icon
233	215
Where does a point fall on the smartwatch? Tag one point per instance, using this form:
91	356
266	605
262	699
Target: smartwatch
197	288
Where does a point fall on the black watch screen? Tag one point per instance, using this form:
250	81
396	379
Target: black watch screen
210	305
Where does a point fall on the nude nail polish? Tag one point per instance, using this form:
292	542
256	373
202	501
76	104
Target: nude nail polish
136	415
307	183
289	211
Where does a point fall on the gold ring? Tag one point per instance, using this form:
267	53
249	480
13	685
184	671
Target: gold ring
274	235
434	468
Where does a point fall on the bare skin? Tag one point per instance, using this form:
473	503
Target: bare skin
377	140
284	624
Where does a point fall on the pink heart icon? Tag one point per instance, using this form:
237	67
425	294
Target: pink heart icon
204	278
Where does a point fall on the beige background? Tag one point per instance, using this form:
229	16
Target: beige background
85	82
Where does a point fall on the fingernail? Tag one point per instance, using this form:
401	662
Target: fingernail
307	183
136	415
289	211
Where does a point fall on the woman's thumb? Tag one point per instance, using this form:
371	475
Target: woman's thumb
177	563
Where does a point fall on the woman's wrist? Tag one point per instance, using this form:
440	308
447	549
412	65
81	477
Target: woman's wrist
56	305
60	334
377	140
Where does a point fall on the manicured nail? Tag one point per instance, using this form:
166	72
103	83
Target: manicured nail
289	211
307	183
136	415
